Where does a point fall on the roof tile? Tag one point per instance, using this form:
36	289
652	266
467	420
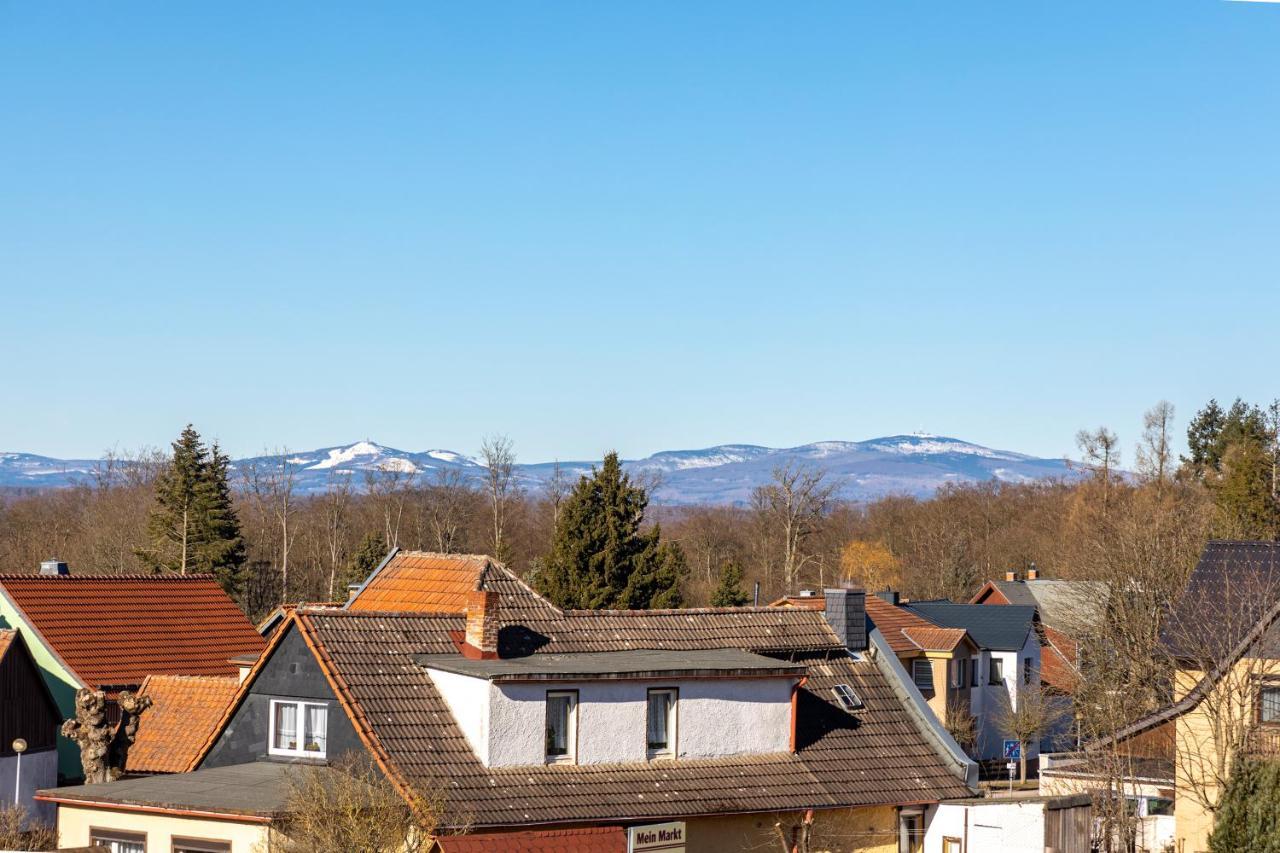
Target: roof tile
184	710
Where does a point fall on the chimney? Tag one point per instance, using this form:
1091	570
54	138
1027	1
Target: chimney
1033	573
806	593
846	612
1011	576
352	589
482	623
54	568
890	595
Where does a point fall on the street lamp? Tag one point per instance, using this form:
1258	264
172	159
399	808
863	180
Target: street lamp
19	746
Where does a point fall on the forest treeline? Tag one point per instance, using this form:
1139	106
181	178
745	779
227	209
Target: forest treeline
189	510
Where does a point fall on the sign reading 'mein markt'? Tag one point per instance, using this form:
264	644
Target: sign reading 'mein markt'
668	837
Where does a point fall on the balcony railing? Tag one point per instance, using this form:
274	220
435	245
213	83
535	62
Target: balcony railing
1263	741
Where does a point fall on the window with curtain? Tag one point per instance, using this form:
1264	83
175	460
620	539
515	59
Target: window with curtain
562	712
299	728
997	671
661	727
1269	705
118	842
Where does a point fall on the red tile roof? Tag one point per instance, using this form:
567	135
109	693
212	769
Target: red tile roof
595	839
184	710
115	630
809	602
893	621
1058	661
421	582
935	639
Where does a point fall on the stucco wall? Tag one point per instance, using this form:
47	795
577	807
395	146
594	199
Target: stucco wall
74	823
714	718
988	700
990	827
39	770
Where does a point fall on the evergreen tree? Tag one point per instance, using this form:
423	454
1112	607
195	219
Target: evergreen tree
1248	816
193	526
371	551
728	593
601	558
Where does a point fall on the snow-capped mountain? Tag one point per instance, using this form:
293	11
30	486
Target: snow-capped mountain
726	474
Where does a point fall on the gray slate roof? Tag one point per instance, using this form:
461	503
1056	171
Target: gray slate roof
1068	605
1002	628
632	663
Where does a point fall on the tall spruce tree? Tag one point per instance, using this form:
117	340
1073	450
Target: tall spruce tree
193	526
728	593
601	557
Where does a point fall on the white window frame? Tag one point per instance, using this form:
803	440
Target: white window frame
673	723
109	838
302	707
915	679
571	735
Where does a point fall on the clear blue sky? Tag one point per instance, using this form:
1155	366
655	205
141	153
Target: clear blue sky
633	225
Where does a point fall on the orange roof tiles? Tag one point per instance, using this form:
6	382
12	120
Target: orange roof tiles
184	710
595	839
421	582
809	602
6	637
115	630
935	639
1058	661
893	620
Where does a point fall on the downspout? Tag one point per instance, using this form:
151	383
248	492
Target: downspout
795	703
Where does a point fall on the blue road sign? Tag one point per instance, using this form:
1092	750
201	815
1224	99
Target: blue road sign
1012	750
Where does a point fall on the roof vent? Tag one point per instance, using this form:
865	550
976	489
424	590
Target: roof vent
54	568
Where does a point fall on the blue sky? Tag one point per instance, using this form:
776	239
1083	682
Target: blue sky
632	225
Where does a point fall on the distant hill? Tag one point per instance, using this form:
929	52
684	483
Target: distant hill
726	474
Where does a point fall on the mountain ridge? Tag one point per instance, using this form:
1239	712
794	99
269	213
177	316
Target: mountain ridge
914	464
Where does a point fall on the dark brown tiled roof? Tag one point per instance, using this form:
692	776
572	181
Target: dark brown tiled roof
184	710
591	839
1231	588
872	756
118	629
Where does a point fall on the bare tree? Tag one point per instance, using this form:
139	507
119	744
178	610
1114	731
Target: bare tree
499	456
1024	716
1155	450
557	488
270	483
1101	451
388	486
447	505
793	504
336	504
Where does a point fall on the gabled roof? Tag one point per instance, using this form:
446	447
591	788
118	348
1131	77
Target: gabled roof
1002	628
1058	661
1233	585
115	630
907	632
184	710
874	755
11	642
591	839
1071	605
420	582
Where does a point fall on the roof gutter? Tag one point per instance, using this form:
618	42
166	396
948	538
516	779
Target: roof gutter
964	767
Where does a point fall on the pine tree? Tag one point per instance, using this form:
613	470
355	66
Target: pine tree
1248	816
728	593
371	551
601	558
193	526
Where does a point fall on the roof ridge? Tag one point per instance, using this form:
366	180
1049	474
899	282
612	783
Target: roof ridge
689	611
133	576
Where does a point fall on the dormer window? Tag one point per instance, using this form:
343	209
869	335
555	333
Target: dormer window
298	729
661	727
562	726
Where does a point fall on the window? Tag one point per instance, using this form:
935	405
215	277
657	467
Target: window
951	845
1159	807
974	680
118	842
298	728
960	674
1026	670
996	672
922	674
562	725
911	832
661	734
200	845
1269	705
848	700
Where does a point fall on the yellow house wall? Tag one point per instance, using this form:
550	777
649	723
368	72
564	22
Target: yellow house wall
74	823
867	830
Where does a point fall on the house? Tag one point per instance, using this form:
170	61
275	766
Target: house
29	721
1006	664
1071	606
707	724
109	632
1223	637
1060	824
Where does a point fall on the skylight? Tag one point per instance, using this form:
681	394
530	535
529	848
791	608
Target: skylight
846	697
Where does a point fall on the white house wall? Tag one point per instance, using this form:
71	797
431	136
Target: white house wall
987	701
990	827
505	723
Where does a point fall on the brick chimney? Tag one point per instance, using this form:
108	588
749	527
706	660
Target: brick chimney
1011	576
1033	573
482	624
846	612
